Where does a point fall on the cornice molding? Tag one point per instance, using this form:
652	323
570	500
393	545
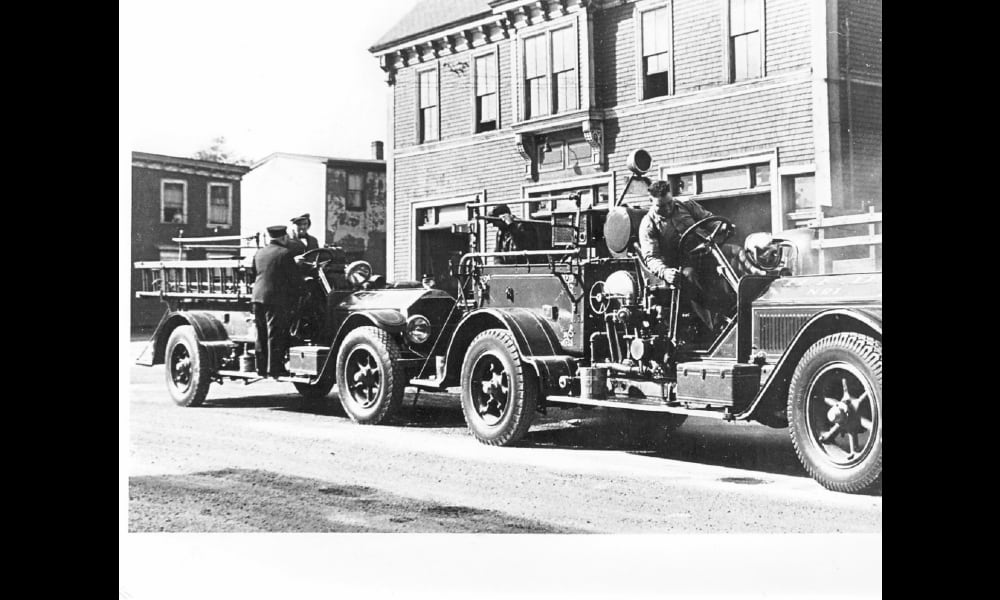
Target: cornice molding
507	18
163	166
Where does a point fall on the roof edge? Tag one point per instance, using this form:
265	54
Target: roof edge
376	48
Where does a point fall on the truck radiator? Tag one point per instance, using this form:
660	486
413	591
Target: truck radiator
775	331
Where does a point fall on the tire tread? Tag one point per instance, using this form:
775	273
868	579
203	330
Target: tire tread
869	351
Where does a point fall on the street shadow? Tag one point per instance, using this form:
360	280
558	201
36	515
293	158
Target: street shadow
429	416
736	448
751	448
294	403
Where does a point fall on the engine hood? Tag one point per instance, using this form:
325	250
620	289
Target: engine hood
826	290
393	298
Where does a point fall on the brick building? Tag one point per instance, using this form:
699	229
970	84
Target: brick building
178	197
766	111
345	198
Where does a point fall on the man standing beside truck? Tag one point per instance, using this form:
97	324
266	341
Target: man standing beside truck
274	293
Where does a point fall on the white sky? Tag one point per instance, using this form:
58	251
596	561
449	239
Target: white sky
289	76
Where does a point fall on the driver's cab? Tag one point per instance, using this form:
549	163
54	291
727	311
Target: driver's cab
329	269
718	266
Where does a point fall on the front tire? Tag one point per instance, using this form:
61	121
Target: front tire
499	393
369	377
187	367
835	412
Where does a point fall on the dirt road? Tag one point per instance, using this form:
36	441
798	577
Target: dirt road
260	458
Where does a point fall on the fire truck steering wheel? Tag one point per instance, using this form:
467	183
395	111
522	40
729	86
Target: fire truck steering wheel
701	236
317	257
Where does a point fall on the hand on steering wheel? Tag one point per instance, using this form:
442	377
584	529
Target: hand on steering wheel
700	237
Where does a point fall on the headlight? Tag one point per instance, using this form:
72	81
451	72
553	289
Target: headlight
418	329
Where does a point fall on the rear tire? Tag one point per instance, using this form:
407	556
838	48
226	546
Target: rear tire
316	391
499	392
835	412
369	377
187	367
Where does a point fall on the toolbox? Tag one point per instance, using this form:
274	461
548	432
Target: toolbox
717	382
307	360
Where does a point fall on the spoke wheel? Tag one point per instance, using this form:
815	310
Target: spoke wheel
499	393
187	367
835	412
369	379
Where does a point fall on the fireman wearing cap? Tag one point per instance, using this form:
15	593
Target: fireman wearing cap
275	292
300	235
512	235
659	239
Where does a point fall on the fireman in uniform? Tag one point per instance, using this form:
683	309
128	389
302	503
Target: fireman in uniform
300	235
275	292
659	240
512	235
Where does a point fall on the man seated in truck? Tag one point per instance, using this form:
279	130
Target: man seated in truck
659	240
512	235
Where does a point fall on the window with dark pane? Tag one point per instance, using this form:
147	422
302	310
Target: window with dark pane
172	203
355	192
537	100
219	205
428	105
656	52
744	39
486	93
564	69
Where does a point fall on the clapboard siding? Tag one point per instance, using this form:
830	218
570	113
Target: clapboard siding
788	45
761	121
456	172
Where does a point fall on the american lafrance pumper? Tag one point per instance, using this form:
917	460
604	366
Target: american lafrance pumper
585	322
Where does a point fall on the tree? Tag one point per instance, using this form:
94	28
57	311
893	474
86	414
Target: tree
219	152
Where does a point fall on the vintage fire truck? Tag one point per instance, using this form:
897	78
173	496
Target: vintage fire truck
582	322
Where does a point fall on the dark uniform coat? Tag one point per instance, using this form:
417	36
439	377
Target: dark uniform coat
275	292
278	276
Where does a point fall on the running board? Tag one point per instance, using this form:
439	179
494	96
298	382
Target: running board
253	377
641	404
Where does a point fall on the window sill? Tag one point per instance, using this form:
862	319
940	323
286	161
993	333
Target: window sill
556	122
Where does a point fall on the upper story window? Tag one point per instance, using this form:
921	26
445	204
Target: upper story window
551	73
746	42
173	201
429	114
656	49
355	192
487	98
220	205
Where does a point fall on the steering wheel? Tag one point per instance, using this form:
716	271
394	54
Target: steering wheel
696	241
358	272
317	257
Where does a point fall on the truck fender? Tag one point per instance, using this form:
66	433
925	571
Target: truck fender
536	341
772	398
209	330
388	320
